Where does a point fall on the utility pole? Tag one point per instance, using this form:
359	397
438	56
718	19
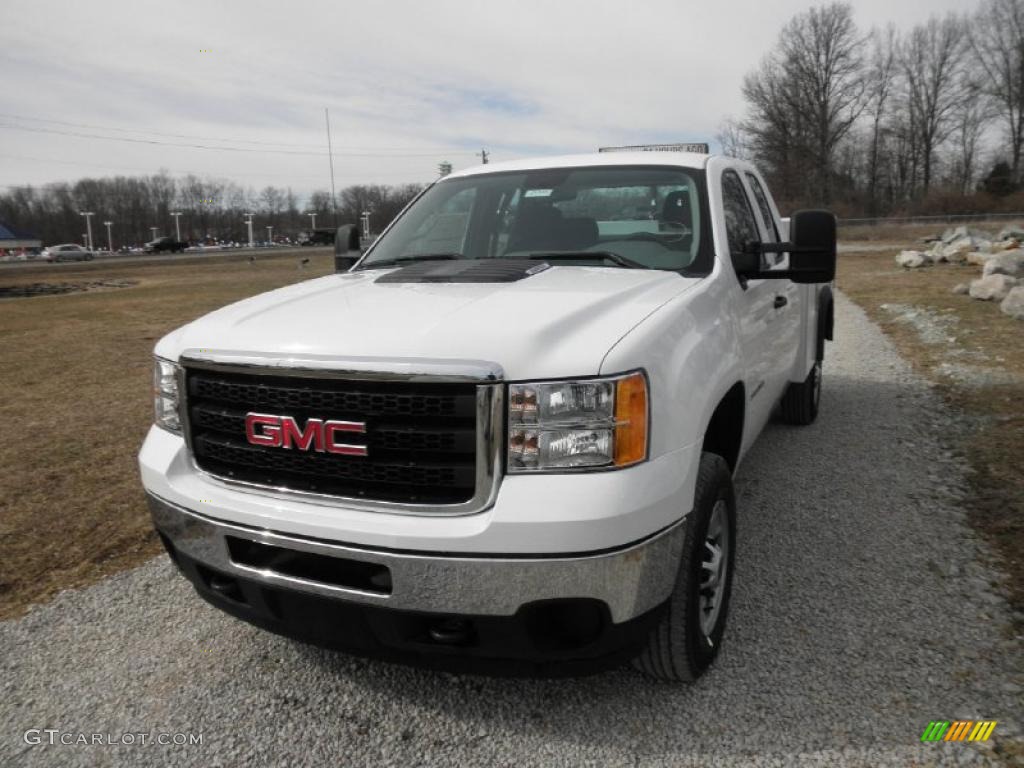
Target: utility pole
110	240
366	223
313	217
482	154
330	155
88	226
177	226
248	221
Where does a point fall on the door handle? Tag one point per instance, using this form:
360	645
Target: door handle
780	302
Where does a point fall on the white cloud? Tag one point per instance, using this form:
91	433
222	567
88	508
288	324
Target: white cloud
437	79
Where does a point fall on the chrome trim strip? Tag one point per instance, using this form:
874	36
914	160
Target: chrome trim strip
490	425
366	368
631	581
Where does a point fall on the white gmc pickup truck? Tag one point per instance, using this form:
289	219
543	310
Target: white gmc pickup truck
503	438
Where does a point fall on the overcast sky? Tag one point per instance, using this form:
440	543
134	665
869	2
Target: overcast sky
408	84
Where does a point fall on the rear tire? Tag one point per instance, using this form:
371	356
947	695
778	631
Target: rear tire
800	403
687	637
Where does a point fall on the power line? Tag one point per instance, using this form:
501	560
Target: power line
218	149
136	169
177	171
312	147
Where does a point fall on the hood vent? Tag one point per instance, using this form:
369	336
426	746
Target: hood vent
465	271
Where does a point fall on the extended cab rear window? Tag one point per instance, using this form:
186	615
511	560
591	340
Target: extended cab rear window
655	216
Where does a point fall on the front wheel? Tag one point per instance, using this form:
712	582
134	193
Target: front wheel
686	639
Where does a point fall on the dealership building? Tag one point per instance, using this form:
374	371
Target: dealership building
14	239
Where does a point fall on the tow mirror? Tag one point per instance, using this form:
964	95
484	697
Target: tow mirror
813	256
346	247
812	251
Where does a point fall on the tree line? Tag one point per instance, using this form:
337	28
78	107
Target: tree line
211	209
884	121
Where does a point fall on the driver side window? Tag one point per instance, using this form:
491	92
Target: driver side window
740	224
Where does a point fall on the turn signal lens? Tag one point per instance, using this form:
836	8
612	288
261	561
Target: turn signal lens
630	420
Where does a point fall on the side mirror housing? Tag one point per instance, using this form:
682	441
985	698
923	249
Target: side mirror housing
812	251
346	247
813	257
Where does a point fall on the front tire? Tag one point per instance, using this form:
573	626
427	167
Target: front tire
687	637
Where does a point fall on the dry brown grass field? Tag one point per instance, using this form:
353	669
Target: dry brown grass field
75	372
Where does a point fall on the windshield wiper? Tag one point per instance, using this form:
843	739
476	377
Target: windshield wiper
614	258
413	257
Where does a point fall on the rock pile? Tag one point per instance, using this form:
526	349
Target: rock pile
1001	260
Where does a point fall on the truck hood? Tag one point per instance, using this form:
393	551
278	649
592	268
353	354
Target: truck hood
560	322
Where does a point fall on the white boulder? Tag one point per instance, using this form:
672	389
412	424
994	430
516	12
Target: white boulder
1013	304
978	259
957	233
1008	263
992	287
912	259
956	252
1011	231
961	289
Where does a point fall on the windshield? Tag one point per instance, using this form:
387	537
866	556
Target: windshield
640	216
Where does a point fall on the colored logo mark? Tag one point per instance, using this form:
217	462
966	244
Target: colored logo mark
959	730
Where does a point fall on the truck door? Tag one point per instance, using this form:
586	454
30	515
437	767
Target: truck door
757	310
786	321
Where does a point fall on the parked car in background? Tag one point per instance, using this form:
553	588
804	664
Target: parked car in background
67	252
165	245
317	237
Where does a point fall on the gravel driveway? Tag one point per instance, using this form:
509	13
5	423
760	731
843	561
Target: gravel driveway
861	611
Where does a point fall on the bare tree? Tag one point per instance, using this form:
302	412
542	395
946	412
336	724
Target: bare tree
821	55
970	120
805	98
933	63
997	42
879	83
774	127
732	137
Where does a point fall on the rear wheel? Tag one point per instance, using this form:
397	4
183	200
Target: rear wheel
686	640
800	403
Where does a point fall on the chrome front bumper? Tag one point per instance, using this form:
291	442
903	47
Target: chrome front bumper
630	581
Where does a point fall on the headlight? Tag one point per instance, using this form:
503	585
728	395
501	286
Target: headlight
592	423
165	395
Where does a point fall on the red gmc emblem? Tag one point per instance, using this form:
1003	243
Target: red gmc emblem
318	435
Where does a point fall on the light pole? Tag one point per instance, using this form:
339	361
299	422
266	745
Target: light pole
248	220
270	234
153	231
110	240
313	217
177	226
88	225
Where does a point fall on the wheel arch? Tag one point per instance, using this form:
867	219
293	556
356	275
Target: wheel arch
724	432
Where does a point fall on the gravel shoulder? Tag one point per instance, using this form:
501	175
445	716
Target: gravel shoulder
863	608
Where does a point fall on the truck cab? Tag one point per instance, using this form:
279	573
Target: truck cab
503	438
